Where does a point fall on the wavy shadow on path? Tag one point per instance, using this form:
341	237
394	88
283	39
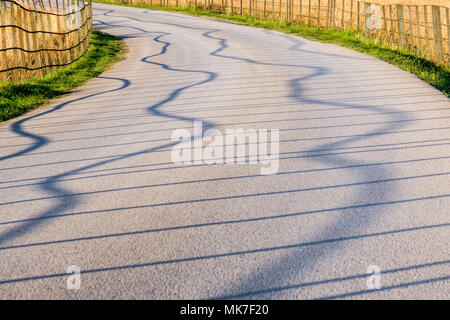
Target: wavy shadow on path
305	258
51	184
293	261
39	142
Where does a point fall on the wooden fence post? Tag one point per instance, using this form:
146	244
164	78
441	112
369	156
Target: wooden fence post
60	40
14	36
327	23
36	43
333	14
318	14
27	24
351	14
427	37
70	53
419	41
273	10
286	18
78	36
287	10
300	13
81	32
358	16
4	65
437	32
384	27
392	31
280	10
447	13
411	29
334	24
291	11
84	32
401	26
309	12
20	22
90	12
366	16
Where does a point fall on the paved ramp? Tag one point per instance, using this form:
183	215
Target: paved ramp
364	173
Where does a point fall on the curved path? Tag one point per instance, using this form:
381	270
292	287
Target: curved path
364	173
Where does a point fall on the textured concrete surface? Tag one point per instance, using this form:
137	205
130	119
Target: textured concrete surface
364	173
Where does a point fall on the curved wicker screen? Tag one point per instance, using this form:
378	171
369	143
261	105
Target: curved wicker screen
37	37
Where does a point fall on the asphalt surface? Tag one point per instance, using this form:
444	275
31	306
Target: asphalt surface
364	173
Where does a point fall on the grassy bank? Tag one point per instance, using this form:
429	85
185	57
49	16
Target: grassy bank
435	74
18	98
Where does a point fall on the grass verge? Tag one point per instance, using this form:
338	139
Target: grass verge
18	98
435	74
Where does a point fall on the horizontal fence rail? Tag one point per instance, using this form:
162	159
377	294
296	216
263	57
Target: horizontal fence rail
38	36
424	29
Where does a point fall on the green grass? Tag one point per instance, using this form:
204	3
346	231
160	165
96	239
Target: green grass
435	74
19	98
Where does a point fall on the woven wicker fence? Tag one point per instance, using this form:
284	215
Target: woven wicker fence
37	37
423	29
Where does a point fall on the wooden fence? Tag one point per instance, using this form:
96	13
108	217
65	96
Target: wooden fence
424	29
36	36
